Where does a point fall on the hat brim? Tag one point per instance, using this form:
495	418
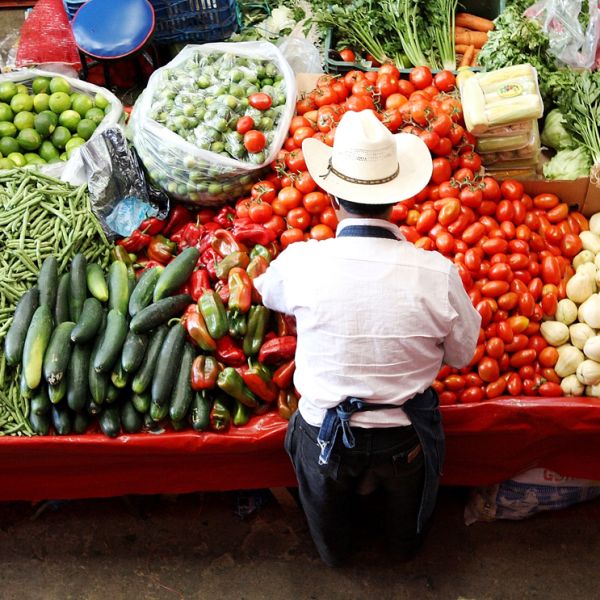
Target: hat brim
414	160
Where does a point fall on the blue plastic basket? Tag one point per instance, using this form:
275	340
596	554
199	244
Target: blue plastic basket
72	6
194	20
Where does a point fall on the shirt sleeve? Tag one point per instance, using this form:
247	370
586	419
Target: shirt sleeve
461	341
271	284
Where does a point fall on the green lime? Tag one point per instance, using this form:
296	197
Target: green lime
8	145
59	102
73	143
29	139
86	128
43	124
17	158
6	163
52	116
7	90
59	84
24	120
81	103
60	136
41	102
34	159
69	119
95	114
40	85
47	151
21	102
100	101
22	89
6	112
7	129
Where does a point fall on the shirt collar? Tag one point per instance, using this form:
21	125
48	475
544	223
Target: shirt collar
370	222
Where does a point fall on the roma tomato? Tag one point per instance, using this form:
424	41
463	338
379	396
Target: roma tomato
550	389
548	357
496	388
546	201
442	171
522	358
550	270
494	347
471	395
260	101
244	125
511	189
514	386
488	369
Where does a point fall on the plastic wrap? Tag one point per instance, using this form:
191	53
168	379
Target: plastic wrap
506	143
526	155
189	95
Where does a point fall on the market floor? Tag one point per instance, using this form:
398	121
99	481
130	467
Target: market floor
196	546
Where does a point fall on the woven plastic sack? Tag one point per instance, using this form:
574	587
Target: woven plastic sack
204	102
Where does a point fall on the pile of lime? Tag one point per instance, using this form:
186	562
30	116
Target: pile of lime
46	123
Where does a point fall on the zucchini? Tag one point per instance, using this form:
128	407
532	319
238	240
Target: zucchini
141	402
143	377
109	420
36	342
158	413
77	286
118	287
133	351
131	420
200	413
97	382
142	294
167	366
176	273
181	397
57	392
96	282
178	425
112	394
48	282
61	420
40	403
160	312
56	359
15	338
25	391
119	376
89	321
81	422
61	307
77	378
39	423
111	342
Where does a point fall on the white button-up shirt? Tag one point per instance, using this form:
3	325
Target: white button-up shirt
375	317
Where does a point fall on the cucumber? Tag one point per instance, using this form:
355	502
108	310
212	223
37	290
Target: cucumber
25	391
143	377
158	413
160	312
181	397
39	423
77	378
112	342
176	273
134	349
97	382
61	307
110	422
61	420
56	359
178	425
81	422
167	366
40	403
200	413
142	294
141	402
36	342
77	286
131	420
92	408
112	394
88	322
119	376
15	338
118	287
96	282
57	392
48	282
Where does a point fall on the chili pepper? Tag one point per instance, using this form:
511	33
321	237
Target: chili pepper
260	250
205	370
161	249
208	260
200	413
225	216
152	226
197	329
223	243
235	259
231	382
135	242
284	375
199	282
223	290
204	243
278	350
229	353
282	326
258	379
240	290
205	215
178	216
258	317
257	266
238	324
120	253
220	417
246	231
287	404
241	414
212	309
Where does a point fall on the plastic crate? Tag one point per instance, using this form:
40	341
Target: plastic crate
194	20
488	9
72	6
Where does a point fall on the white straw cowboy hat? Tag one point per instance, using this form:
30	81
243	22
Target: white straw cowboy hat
368	164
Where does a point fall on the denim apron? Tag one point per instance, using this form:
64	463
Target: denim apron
422	410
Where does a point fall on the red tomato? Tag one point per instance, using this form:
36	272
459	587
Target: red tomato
470	160
522	358
471	395
321	232
514	385
511	189
260	212
495	289
526	304
260	101
519	343
421	77
496	388
570	245
444	81
263	190
548	357
505	333
508	301
295	161
518	323
426	221
444	242
546	201
549	304
290	236
494	246
491	189
254	141
315	202
550	389
454	383
500	271
275	224
538	343
447	398
550	270
298	218
329	218
443	147
488	369
442	171
244	125
473	233
347	55
449	212
494	347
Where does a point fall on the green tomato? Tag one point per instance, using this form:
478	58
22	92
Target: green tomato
265	124
236	75
217	147
271	70
267	82
214	189
261	72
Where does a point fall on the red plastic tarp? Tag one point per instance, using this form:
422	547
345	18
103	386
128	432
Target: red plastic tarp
486	443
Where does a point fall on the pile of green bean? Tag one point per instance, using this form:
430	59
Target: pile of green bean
39	216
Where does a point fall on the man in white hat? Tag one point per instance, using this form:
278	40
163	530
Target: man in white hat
376	318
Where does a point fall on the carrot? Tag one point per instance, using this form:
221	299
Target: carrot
473	22
474	38
467	57
460	48
461	30
474	62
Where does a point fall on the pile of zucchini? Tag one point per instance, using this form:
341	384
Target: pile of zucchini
112	347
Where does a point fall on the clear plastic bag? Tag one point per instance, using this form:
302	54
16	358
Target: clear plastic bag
528	152
572	44
183	125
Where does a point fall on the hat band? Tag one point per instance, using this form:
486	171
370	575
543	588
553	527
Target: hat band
332	169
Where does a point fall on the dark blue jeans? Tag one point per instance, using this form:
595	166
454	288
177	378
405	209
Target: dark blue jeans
389	460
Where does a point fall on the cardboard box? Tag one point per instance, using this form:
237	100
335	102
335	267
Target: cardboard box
573	192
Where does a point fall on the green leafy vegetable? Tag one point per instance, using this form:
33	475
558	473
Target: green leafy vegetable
441	16
555	135
568	164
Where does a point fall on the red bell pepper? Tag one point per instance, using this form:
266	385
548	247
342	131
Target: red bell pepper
240	290
229	353
246	231
152	226
205	215
223	243
205	370
161	249
187	235
286	324
135	242
208	260
258	380
178	216
284	375
258	265
225	216
195	325
223	290
277	350
199	282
